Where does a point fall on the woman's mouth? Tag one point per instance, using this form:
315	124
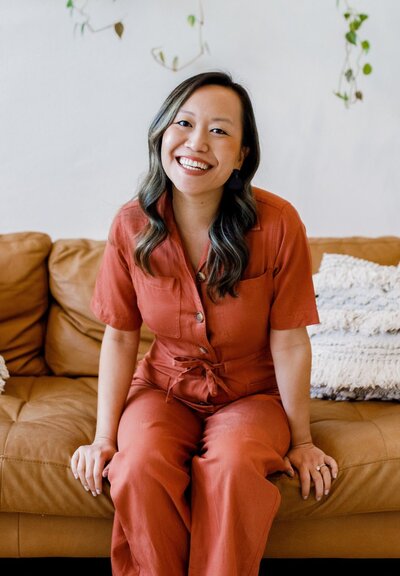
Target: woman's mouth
193	165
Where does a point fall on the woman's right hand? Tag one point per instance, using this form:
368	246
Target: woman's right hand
89	463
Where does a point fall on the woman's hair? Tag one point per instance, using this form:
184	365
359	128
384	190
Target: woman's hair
228	255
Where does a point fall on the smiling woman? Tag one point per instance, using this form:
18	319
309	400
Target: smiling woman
221	273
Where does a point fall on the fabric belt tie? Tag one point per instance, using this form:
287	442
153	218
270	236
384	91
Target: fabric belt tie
213	381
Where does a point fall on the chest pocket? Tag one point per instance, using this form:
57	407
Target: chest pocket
247	315
159	302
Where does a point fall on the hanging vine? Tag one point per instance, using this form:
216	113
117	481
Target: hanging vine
85	19
356	49
175	65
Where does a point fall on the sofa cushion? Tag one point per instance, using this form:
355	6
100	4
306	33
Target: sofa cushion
24	301
364	438
42	421
74	335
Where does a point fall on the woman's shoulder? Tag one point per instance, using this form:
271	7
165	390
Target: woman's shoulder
130	214
128	220
271	206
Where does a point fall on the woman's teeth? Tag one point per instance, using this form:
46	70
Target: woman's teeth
193	164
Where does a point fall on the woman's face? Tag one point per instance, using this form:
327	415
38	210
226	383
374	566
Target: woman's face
204	142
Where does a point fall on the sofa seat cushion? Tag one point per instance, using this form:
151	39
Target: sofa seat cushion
364	438
42	421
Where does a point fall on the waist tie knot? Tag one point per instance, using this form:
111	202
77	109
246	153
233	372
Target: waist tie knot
188	364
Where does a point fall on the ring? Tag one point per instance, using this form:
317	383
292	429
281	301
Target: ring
318	468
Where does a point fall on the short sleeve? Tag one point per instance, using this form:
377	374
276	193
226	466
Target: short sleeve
114	300
294	303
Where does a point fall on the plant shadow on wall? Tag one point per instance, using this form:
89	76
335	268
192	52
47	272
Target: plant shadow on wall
356	46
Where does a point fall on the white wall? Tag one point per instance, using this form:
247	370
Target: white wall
75	109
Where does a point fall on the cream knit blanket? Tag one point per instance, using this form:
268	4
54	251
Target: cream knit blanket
3	374
356	347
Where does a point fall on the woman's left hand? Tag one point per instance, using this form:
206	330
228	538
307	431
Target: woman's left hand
314	467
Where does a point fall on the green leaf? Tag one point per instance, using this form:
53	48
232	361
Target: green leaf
347	15
119	28
349	75
363	17
70	4
355	25
351	37
175	63
359	95
367	69
365	45
343	96
161	56
191	19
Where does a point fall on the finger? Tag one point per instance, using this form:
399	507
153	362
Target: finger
90	482
318	482
305	483
98	476
288	468
325	472
81	470
74	461
105	471
331	462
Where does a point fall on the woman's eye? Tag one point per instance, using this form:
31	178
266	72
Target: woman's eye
184	123
218	131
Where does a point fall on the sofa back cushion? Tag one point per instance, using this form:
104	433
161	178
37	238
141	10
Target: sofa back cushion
73	335
23	301
382	250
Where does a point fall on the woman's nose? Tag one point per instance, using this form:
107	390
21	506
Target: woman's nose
197	140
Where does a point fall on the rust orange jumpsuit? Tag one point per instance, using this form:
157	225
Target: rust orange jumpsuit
203	425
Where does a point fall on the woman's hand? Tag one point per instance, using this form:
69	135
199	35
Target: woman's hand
89	463
313	466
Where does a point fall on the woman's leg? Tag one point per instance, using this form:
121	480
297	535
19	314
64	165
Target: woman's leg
233	504
149	477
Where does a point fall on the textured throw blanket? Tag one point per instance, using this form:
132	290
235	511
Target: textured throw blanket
356	347
3	374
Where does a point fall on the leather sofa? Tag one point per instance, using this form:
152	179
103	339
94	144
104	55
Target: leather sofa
50	341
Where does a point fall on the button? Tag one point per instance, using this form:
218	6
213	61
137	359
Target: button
200	276
199	316
203	350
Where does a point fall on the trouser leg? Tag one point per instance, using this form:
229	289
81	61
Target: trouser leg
233	504
149	477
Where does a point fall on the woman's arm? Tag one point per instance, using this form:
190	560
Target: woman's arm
117	362
291	353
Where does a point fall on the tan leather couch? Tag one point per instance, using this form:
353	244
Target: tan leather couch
51	341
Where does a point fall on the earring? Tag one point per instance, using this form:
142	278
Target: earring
235	183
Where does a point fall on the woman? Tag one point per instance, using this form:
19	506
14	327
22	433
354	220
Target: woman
220	272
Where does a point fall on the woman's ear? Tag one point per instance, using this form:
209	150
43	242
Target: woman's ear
244	151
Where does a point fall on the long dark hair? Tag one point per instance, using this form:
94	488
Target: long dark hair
228	255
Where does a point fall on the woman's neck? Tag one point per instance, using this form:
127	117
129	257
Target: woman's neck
193	217
195	213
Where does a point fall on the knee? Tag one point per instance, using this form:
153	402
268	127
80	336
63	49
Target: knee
144	462
230	452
